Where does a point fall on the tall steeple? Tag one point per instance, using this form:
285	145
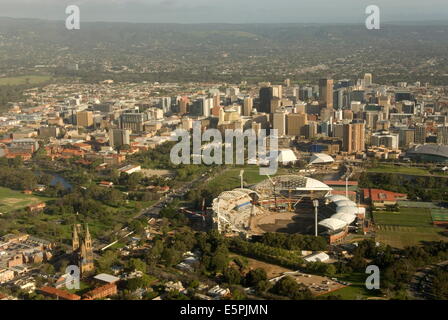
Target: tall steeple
75	237
82	249
88	239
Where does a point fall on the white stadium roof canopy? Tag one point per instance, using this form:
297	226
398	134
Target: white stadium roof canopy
346	217
333	224
336	197
348	210
345	203
292	182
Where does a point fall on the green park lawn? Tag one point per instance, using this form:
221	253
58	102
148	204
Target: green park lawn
356	291
399	169
11	200
408	227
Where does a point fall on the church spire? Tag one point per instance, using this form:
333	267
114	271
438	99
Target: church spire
75	238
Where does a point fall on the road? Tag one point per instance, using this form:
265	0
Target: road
154	209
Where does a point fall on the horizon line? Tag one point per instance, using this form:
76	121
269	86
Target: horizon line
390	22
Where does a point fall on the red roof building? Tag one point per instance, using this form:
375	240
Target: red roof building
382	198
109	289
59	294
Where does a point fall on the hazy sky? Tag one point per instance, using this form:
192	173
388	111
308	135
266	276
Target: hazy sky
228	11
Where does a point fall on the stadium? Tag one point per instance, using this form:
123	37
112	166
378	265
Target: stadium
285	204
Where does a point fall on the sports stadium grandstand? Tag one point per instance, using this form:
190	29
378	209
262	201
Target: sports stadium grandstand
283	199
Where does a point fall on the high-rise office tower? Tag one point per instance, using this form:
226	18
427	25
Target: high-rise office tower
311	129
406	137
442	135
279	122
296	92
353	137
384	138
326	93
296	123
165	104
420	134
84	118
305	93
248	105
338	130
277	91
372	118
367	79
265	100
119	137
275	104
133	121
183	105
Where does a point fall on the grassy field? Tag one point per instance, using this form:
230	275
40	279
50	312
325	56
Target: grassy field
13	200
356	291
408	227
399	169
19	80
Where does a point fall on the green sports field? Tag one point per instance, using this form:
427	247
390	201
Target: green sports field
13	200
408	227
439	215
383	168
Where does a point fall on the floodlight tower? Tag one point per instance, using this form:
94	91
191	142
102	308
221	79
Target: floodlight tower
241	177
316	205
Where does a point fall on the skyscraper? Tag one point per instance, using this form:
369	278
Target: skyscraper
84	118
420	134
296	123
133	121
442	135
326	93
279	122
248	105
353	137
183	105
119	137
367	79
266	95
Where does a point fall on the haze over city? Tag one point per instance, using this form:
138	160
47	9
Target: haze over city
229	11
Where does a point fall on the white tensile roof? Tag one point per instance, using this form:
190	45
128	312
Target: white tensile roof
333	224
317	257
319	158
313	184
292	182
106	278
346	217
345	203
286	155
347	209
